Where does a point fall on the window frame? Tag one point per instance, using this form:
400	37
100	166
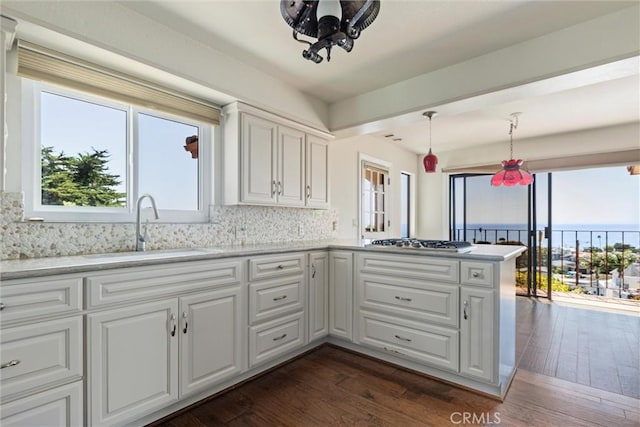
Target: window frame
31	156
363	160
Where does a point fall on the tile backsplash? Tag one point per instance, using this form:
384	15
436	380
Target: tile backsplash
228	225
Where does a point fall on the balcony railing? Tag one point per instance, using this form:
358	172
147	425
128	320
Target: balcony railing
598	254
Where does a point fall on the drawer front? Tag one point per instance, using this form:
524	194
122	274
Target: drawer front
427	301
61	406
410	267
275	338
477	273
425	343
27	299
271	267
271	299
134	284
39	354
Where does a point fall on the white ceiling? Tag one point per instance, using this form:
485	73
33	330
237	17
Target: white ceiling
410	38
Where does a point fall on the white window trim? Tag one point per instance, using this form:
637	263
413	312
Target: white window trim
412	201
31	171
362	159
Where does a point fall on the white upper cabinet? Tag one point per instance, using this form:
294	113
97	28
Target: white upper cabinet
259	150
291	165
317	168
268	160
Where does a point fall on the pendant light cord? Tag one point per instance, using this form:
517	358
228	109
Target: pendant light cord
430	132
514	125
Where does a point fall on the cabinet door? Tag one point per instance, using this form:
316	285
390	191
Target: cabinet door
133	361
61	406
317	170
291	166
211	336
318	295
476	333
341	294
258	153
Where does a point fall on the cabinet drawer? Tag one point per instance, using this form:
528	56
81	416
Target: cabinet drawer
410	267
271	299
132	284
476	273
61	406
276	266
40	354
26	299
420	300
425	343
270	340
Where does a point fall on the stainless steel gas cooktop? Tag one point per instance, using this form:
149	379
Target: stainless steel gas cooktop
439	245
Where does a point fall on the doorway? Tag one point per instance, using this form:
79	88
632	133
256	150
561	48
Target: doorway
482	214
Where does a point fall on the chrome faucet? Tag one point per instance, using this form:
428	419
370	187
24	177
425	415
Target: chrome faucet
141	239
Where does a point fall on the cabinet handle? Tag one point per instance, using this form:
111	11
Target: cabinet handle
280	298
464	310
281	337
2	306
403	298
186	322
172	319
475	274
280	267
313	271
279	188
403	338
273	188
308	191
9	363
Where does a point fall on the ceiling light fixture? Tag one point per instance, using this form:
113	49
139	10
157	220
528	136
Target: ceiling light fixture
430	161
332	22
511	173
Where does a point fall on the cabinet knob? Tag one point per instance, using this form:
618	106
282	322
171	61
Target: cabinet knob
172	319
308	191
475	274
280	298
402	338
273	188
280	267
403	299
281	337
464	310
185	316
10	363
2	306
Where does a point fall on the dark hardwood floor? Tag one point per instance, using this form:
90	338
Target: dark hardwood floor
331	386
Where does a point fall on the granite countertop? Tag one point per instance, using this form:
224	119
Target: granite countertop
38	267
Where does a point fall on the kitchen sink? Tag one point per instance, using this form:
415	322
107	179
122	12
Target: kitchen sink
157	254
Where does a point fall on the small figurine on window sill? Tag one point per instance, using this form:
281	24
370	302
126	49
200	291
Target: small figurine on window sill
192	146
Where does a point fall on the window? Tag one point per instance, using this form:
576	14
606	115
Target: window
405	205
90	158
374	189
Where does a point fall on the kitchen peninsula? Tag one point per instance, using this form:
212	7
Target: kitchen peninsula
184	324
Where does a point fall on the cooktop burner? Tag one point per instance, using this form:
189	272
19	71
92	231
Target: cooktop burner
444	245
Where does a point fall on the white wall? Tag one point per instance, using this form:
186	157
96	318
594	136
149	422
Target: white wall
343	160
432	221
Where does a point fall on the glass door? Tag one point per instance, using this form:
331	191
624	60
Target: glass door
539	274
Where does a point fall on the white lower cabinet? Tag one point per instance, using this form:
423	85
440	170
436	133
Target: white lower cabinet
210	338
318	295
150	355
477	333
61	406
133	361
341	294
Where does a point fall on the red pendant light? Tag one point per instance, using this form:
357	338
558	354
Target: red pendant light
430	161
511	172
